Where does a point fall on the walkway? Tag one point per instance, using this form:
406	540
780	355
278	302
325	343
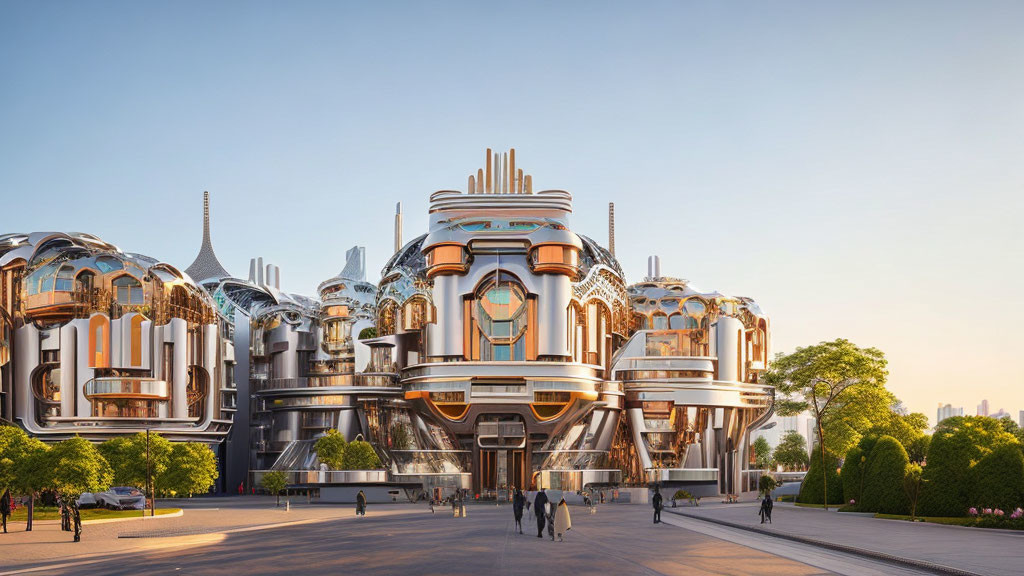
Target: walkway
995	552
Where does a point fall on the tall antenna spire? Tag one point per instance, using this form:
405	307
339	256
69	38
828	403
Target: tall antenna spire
611	227
206	266
398	227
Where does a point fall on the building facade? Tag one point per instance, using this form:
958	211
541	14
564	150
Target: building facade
99	342
501	348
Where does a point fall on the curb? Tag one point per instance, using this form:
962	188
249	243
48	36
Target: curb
177	514
919	564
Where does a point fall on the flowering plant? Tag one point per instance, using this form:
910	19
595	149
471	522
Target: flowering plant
972	511
1018	513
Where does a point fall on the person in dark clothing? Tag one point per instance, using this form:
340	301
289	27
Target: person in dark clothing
766	509
538	510
65	514
78	520
518	503
360	504
657	503
5	508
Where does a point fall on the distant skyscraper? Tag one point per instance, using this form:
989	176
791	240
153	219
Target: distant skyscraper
947	411
1000	414
1020	420
983	408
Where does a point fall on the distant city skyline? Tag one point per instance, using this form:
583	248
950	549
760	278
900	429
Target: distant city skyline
852	166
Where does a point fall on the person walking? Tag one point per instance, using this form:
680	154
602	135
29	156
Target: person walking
657	502
5	508
518	502
539	502
360	504
77	517
562	521
766	509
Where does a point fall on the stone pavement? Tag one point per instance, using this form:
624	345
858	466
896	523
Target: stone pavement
402	539
46	542
980	551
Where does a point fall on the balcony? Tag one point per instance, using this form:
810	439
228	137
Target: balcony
125	387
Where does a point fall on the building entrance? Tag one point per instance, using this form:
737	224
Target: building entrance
500	454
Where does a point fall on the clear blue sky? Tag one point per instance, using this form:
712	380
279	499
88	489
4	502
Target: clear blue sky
855	167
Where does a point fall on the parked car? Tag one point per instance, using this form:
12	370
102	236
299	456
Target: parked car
118	498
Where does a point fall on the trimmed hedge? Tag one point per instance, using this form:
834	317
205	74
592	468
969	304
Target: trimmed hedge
883	479
998	480
957	445
812	489
853	467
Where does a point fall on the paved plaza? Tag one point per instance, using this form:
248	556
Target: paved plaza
248	535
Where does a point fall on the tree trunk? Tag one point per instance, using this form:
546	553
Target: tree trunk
824	472
31	509
278	498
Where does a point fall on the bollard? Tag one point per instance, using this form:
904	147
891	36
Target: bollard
287	505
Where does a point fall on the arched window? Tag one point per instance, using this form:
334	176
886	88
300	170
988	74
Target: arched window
128	290
386	319
501	316
660	322
65	279
677	322
694	311
84	281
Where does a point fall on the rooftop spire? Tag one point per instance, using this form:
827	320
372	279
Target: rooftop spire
206	265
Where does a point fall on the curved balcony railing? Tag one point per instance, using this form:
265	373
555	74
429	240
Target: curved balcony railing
127	387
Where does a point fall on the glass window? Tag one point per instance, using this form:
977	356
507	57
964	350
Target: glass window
65	279
501	318
660	322
128	290
108	264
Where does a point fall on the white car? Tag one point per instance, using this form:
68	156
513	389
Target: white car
118	497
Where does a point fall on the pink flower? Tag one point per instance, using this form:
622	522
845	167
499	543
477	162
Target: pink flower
1019	512
972	511
986	511
852	501
998	512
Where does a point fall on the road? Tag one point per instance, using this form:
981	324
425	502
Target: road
410	540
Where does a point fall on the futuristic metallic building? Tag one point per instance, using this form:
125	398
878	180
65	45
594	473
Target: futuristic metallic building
99	342
501	348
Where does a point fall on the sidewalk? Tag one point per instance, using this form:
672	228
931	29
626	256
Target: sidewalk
202	519
974	550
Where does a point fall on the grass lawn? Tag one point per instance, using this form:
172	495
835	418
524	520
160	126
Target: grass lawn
806	505
52	513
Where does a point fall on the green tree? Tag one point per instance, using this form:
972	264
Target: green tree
127	457
1013	428
821	378
762	454
905	428
918	448
998	479
274	482
812	490
330	449
883	478
766	483
791	452
367	333
854	415
23	468
912	477
191	469
75	467
359	455
957	445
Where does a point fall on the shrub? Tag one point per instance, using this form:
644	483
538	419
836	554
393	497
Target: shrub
330	449
998	479
766	484
883	479
359	455
812	489
957	445
852	476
